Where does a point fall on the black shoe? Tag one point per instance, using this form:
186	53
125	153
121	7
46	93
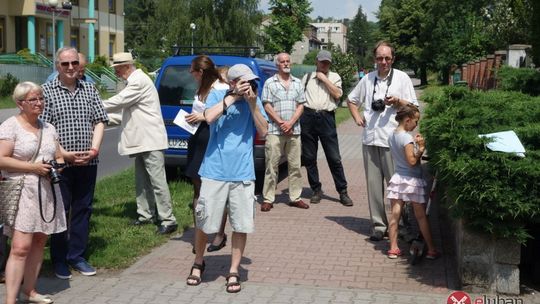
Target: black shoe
377	236
141	222
167	229
345	199
213	247
316	197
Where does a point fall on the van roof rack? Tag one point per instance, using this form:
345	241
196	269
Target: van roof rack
243	51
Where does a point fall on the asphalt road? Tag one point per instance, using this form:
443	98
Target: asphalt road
110	161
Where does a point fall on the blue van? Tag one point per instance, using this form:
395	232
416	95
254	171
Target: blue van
176	88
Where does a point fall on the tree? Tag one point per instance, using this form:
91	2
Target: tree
360	37
535	32
137	21
406	25
289	18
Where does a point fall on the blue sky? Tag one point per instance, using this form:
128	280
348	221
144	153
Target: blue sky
338	9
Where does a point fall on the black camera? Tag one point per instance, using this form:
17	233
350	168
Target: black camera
378	105
54	174
253	84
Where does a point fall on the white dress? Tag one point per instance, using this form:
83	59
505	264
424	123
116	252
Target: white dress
28	217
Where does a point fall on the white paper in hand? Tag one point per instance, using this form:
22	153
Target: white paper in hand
180	120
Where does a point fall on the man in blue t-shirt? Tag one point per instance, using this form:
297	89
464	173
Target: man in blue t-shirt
227	171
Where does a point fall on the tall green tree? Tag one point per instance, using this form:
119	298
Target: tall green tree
360	37
137	23
535	32
289	18
406	25
459	34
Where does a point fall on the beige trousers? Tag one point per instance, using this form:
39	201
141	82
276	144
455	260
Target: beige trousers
276	146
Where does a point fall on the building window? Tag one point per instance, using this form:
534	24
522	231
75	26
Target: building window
74	38
112	45
322	40
2	46
112	6
75	2
49	39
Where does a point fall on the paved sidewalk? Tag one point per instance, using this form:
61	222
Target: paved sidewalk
318	255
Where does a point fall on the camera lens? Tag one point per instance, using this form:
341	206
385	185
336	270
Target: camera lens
378	105
253	84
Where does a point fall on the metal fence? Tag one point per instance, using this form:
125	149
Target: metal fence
25	72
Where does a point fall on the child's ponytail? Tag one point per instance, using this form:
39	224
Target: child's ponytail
407	111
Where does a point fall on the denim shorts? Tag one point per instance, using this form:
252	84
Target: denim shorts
237	197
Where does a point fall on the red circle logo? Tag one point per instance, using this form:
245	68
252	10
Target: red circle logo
459	297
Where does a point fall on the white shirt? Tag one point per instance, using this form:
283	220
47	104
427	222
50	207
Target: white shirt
380	125
198	106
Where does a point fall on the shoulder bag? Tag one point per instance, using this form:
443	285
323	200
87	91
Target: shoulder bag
10	191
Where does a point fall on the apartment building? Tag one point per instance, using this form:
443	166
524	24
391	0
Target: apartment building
334	33
95	27
308	43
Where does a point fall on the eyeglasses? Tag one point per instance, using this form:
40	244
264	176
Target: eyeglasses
66	64
34	101
381	59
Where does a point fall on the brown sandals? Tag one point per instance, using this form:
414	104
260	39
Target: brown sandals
233	284
193	277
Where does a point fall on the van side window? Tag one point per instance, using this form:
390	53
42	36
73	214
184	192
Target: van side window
177	86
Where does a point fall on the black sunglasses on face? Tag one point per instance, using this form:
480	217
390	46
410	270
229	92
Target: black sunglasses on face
67	63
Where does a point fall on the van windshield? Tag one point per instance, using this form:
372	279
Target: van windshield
177	86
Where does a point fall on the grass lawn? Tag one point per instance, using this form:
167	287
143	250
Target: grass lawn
7	103
114	243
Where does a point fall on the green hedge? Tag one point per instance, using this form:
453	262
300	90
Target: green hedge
495	192
521	80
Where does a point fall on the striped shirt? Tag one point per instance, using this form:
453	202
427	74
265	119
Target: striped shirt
73	114
284	101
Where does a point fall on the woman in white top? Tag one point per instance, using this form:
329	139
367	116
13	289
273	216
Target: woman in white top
209	78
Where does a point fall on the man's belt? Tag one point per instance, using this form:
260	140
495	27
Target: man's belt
310	110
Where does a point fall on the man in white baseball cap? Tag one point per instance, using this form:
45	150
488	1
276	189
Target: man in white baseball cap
228	171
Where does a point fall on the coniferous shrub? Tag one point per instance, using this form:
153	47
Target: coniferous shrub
522	80
495	192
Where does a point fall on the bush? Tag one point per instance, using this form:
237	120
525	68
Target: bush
521	80
7	85
492	191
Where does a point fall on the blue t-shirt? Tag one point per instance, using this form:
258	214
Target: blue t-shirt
229	155
397	143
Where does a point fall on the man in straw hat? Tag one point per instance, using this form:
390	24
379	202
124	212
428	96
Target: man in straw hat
144	138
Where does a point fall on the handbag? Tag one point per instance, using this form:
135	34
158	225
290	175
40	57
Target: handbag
10	191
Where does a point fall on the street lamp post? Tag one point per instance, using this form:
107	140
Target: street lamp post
193	26
53	4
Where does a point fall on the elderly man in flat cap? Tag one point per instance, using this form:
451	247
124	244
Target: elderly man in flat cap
144	138
318	123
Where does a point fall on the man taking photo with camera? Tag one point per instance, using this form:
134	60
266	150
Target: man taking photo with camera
380	94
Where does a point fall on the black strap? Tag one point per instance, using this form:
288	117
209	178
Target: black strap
387	87
41	203
39	179
307	80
